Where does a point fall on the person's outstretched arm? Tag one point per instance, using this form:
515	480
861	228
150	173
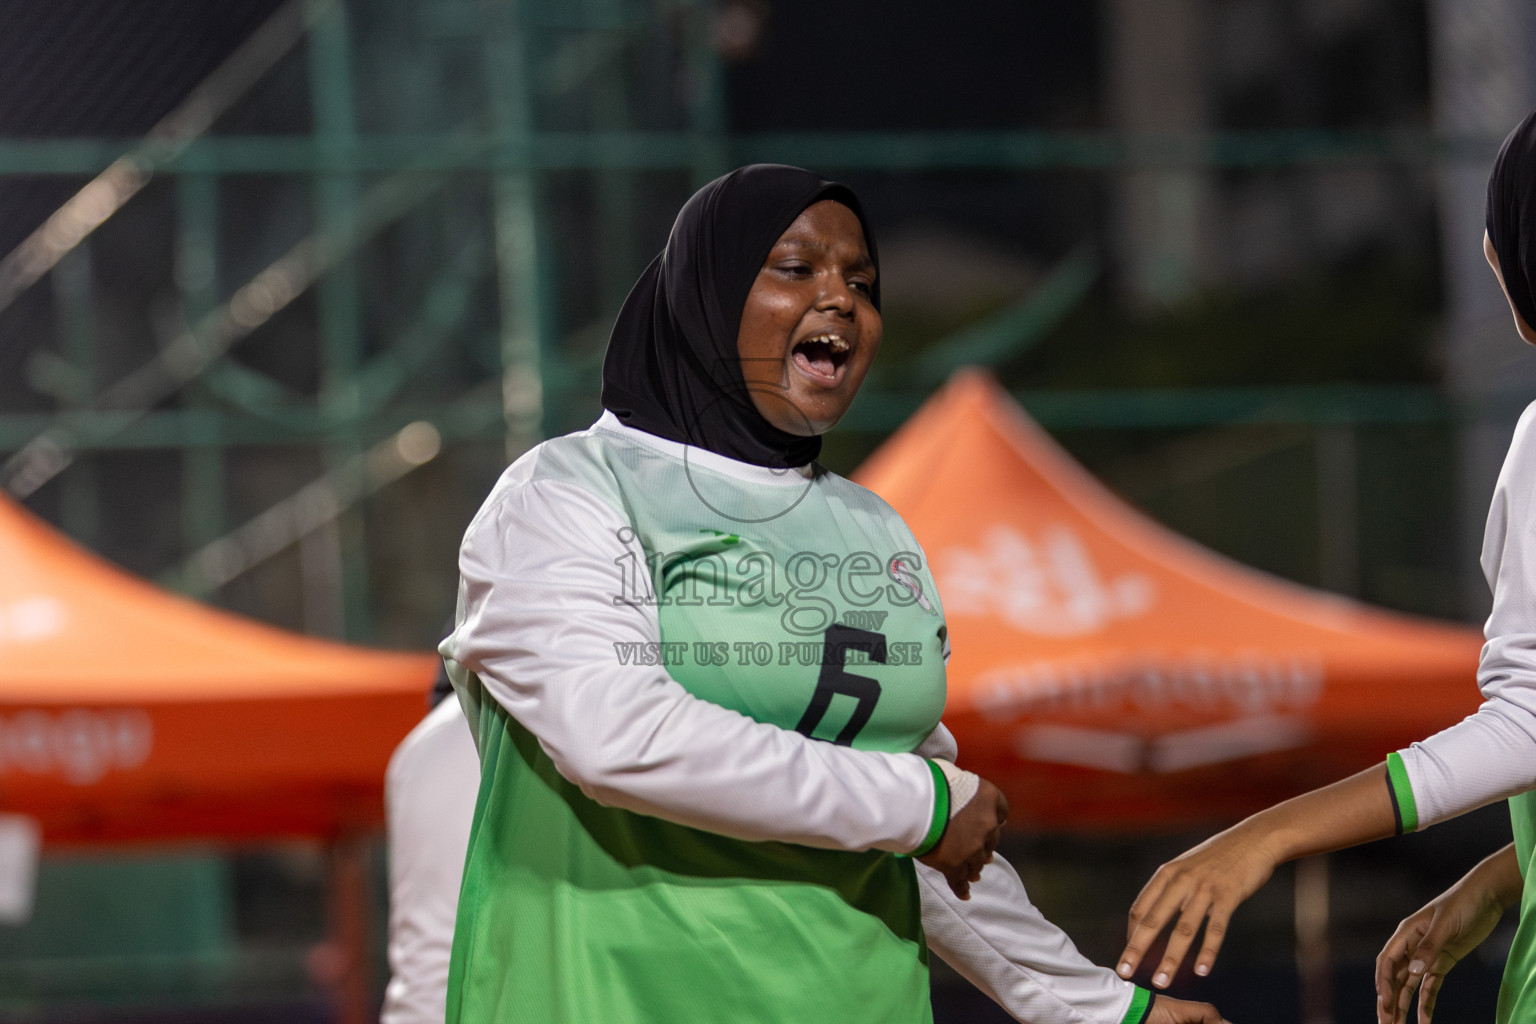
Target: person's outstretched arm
1433	939
1208	882
1483	758
1004	946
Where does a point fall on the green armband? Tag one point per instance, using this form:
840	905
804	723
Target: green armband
940	811
1141	1005
1403	806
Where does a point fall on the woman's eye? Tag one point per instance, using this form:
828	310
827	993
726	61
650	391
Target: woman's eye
866	287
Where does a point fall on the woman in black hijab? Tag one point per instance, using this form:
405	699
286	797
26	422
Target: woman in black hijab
1489	756
702	789
673	366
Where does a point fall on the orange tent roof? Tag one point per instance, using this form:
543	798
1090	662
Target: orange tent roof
1111	674
130	713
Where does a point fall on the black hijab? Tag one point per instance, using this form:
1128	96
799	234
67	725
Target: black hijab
1512	216
672	367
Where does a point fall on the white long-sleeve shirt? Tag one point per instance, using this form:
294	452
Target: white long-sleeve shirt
998	939
1491	754
429	803
631	737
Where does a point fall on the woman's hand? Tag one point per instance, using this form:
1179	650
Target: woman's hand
1429	942
970	839
1182	1011
1204	884
1208	882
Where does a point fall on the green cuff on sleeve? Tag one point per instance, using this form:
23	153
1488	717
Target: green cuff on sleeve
1141	1005
940	811
1403	805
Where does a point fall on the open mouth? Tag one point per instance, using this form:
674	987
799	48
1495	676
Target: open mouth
822	357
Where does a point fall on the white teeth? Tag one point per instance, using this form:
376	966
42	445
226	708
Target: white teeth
835	341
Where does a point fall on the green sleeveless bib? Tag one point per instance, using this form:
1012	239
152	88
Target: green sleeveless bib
1517	992
806	605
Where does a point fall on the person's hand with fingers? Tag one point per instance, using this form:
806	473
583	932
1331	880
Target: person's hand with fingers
1207	883
1433	939
1166	1010
970	838
1203	885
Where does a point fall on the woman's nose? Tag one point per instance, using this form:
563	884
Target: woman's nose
836	295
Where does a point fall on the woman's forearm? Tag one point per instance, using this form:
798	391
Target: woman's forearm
1498	877
1354	810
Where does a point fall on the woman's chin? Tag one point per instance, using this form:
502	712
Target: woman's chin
809	418
800	415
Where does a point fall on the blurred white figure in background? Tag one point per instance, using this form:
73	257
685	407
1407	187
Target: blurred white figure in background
429	802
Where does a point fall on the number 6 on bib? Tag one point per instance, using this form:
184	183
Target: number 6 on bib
835	679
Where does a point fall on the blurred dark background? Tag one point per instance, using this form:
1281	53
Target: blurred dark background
1226	251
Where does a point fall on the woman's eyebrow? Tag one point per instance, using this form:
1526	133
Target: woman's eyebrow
862	263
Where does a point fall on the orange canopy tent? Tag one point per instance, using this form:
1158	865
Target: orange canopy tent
1109	674
127	713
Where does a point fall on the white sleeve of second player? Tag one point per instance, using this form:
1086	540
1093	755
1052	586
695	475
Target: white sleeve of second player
543	621
1492	754
1004	946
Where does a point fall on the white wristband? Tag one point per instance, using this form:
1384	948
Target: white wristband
962	785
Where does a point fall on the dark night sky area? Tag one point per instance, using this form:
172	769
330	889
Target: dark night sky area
103	68
108	68
823	66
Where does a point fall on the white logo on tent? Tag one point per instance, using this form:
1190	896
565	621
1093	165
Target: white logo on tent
1163	755
31	619
1048	586
80	744
1243	683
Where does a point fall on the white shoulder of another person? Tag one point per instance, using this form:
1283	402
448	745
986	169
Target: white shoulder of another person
444	727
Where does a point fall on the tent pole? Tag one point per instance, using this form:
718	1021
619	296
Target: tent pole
350	869
1313	962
